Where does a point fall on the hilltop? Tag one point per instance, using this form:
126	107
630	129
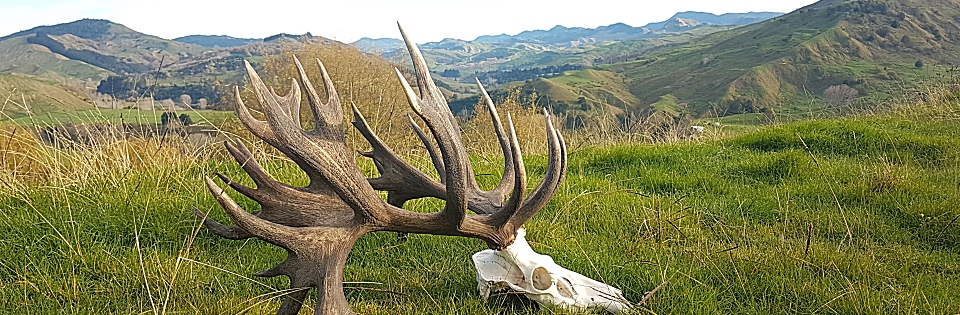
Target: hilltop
103	59
98	43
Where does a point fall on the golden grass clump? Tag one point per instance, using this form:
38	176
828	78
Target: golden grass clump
56	159
367	81
480	137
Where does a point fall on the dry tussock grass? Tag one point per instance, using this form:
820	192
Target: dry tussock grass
26	160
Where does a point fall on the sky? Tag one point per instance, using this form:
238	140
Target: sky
349	20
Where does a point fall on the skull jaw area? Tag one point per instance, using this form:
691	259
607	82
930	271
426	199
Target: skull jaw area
540	279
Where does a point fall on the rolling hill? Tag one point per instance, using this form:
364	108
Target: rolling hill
873	46
98	43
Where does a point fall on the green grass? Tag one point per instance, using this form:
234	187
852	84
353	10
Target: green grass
725	222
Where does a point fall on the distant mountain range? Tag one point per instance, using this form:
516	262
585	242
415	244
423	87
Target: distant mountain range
571	36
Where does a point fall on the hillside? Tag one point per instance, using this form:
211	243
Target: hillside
873	46
99	43
24	96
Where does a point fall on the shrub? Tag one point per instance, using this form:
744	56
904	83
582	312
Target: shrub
840	94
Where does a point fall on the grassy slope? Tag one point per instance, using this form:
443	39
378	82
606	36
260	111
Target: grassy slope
17	55
40	97
726	222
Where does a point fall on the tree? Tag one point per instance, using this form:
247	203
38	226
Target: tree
165	118
202	103
840	94
185	119
168	104
186	100
919	64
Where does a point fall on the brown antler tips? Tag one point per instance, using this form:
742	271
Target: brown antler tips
257	127
430	147
328	84
519	179
312	98
556	167
412	97
259	87
363	127
506	182
428	89
243	157
246	191
290	103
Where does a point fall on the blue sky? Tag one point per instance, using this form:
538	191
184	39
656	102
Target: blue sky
349	20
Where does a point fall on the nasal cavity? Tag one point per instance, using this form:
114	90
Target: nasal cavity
542	279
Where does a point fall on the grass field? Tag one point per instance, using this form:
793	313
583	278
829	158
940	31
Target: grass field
840	216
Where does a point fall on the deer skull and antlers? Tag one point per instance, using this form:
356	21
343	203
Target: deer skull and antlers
319	224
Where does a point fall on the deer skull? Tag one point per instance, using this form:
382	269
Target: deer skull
519	268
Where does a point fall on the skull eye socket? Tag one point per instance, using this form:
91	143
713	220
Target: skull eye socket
566	288
542	279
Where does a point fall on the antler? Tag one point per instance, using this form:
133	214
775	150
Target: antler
319	224
404	182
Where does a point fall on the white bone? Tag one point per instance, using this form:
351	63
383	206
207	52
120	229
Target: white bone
541	280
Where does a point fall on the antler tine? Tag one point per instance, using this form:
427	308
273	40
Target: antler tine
290	103
454	156
556	169
258	127
312	98
329	115
224	231
506	183
431	148
428	88
399	178
268	231
519	180
244	157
